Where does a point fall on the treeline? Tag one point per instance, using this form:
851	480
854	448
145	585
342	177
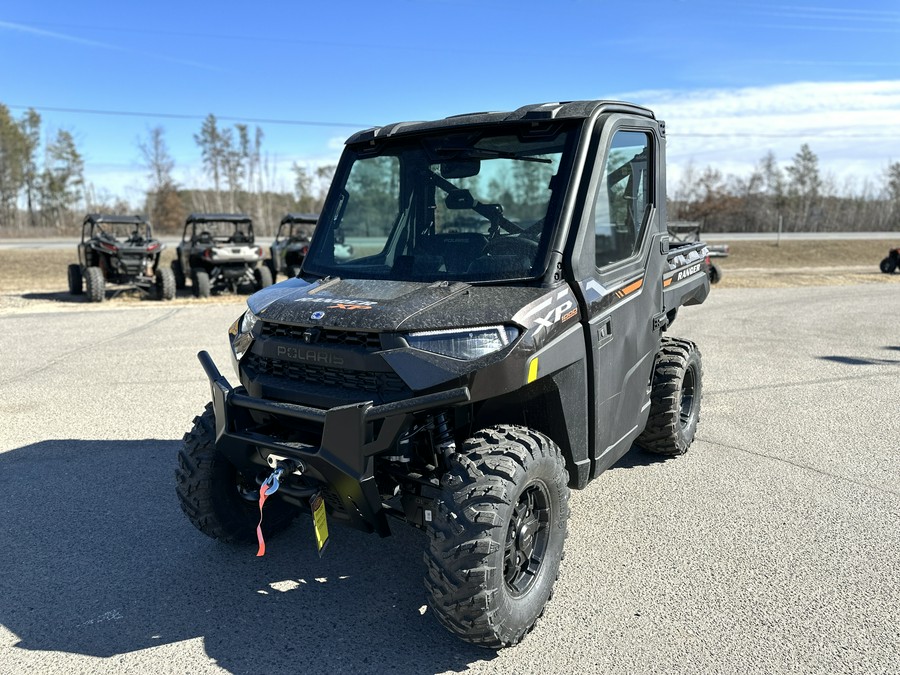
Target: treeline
43	186
796	198
37	189
243	179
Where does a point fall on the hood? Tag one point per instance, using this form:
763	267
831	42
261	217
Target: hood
380	305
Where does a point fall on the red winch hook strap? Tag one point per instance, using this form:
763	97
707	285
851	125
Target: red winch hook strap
269	486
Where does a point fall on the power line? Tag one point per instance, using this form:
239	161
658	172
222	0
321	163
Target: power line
360	125
180	116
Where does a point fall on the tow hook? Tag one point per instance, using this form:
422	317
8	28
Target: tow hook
286	464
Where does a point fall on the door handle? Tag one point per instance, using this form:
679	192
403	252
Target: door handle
604	330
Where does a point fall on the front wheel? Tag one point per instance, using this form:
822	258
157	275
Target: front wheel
178	271
496	538
76	281
217	499
674	398
888	265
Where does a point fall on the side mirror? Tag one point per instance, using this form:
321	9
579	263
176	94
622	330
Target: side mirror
460	168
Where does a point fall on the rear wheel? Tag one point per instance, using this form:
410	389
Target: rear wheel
95	283
178	272
496	539
165	283
271	265
76	281
263	276
674	398
215	496
200	283
888	265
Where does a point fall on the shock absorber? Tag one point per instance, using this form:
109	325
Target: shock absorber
443	439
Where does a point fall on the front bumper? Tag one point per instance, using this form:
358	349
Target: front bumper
350	436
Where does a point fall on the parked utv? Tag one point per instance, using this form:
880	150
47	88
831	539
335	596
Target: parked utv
217	251
291	243
119	251
498	336
890	264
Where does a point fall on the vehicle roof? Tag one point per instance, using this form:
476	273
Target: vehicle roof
107	218
311	218
538	112
218	218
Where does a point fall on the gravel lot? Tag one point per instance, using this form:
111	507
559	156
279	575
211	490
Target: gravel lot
771	547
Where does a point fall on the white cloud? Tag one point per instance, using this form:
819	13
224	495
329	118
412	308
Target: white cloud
853	127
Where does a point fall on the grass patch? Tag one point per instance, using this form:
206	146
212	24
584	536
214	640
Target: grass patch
813	253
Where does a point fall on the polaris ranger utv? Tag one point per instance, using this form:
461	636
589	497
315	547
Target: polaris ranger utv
291	244
218	251
119	251
499	339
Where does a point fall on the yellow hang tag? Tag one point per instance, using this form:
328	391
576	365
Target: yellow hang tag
317	505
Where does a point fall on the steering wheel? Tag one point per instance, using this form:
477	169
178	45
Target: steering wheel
526	248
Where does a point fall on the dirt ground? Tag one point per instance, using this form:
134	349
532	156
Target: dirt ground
29	277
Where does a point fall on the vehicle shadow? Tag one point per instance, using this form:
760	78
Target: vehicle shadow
637	457
61	296
99	560
111	295
862	361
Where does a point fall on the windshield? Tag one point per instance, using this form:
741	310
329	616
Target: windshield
465	206
127	232
224	232
300	231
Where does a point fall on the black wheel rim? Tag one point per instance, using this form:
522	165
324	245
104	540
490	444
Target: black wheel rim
687	397
527	539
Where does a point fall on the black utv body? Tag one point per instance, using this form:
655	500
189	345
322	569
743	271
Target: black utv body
291	244
218	251
498	335
119	251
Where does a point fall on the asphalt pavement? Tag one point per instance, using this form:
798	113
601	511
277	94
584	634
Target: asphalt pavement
772	546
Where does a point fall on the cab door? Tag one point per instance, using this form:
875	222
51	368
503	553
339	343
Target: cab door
623	292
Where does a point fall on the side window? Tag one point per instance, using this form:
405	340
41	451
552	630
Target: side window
625	192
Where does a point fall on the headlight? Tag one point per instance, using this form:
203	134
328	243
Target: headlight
468	344
241	333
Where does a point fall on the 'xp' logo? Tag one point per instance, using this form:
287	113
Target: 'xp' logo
554	315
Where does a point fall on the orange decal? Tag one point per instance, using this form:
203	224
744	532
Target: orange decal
631	288
667	282
344	305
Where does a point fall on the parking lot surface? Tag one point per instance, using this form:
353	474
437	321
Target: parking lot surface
772	546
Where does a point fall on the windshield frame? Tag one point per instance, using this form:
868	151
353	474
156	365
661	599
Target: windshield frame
564	135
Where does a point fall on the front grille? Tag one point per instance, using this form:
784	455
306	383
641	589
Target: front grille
388	385
324	336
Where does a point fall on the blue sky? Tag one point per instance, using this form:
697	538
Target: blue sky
733	79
